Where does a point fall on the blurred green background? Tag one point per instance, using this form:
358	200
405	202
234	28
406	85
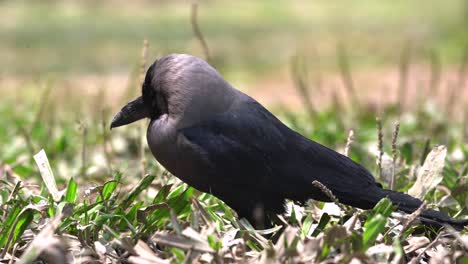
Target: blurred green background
324	67
85	46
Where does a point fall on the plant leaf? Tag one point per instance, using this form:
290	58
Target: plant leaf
71	194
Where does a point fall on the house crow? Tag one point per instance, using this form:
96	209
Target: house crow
221	141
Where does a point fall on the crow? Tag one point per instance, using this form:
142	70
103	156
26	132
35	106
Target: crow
223	142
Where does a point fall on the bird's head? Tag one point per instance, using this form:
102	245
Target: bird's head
184	87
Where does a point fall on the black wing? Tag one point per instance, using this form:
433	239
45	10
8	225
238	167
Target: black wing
254	157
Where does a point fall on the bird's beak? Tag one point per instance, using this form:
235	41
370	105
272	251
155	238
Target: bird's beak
133	111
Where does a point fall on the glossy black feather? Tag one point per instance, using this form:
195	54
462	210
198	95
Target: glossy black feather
250	152
251	159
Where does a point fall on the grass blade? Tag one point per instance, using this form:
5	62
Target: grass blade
47	175
71	193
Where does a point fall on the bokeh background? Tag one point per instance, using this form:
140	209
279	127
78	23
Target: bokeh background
84	47
326	68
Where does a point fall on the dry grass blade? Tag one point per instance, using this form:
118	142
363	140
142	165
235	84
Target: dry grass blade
197	31
394	155
465	125
107	146
44	99
462	71
412	217
143	62
299	76
415	243
287	243
349	141
351	223
47	175
181	242
27	138
146	255
421	254
143	125
84	128
328	193
203	213
345	70
434	83
453	93
403	75
380	146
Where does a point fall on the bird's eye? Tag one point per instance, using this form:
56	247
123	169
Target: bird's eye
154	100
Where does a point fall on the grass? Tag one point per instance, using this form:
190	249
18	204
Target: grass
103	208
97	196
65	38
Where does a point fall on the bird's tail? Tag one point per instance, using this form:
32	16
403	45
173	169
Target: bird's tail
409	204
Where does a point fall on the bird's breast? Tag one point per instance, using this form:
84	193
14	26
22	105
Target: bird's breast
162	137
173	152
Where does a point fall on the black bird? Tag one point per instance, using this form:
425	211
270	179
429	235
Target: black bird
221	141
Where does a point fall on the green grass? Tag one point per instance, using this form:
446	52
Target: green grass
48	36
106	205
113	201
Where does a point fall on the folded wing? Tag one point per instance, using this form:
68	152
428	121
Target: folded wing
250	153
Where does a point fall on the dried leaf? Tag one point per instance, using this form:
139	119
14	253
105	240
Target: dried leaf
146	255
415	243
430	174
181	242
45	242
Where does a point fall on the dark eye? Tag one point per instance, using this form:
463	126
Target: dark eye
149	98
154	100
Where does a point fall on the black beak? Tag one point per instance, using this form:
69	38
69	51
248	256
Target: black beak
133	111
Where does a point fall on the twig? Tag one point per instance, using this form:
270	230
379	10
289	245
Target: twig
457	236
394	154
328	193
337	107
84	129
403	73
43	102
451	98
349	141
27	137
435	73
391	229
380	146
144	59
343	64
181	242
411	219
13	254
198	33
462	70
465	125
106	143
426	149
298	74
336	101
420	255
352	224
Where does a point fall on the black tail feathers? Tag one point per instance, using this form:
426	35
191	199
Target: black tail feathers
409	204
